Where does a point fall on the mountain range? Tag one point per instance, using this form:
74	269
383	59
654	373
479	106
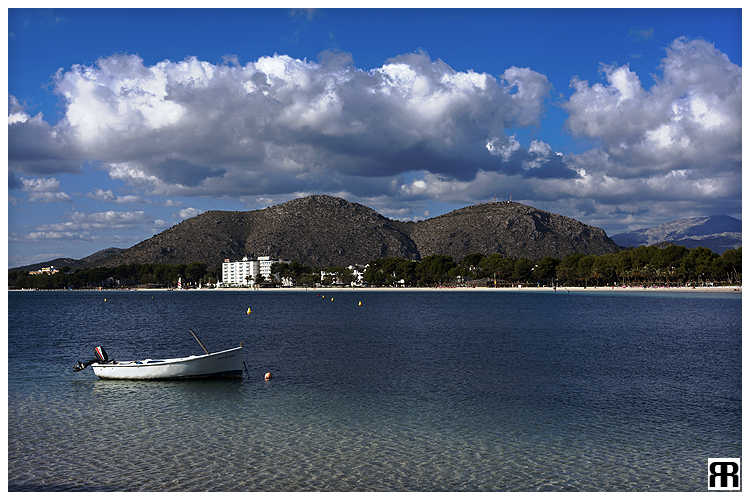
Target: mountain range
324	231
718	233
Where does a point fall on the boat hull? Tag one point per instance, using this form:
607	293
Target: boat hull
224	364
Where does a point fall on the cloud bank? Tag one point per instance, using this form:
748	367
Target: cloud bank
394	137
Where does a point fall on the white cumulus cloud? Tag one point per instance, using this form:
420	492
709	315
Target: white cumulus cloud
673	149
409	131
44	190
109	196
690	118
189	212
280	124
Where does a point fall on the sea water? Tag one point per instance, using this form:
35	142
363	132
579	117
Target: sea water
409	391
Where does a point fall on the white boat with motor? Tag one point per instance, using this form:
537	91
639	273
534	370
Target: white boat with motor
223	364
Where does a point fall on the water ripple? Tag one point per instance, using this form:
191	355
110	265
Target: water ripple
412	392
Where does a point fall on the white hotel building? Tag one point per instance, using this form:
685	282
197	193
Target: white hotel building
236	273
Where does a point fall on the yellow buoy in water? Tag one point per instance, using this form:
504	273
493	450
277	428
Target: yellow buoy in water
331	299
248	310
360	303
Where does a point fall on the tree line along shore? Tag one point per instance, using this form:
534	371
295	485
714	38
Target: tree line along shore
670	266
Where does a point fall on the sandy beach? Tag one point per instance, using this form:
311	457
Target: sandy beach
707	289
568	289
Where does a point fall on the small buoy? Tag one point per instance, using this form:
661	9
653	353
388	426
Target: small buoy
248	310
105	300
331	299
360	303
269	376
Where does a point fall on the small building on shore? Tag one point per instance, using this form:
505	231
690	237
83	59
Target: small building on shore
45	270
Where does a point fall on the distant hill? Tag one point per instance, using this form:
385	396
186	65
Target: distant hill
511	229
718	233
319	231
72	263
324	231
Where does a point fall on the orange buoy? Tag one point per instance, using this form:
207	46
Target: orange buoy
269	376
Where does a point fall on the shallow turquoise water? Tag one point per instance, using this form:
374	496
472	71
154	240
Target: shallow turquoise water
412	391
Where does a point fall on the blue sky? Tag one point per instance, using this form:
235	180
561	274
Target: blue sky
124	122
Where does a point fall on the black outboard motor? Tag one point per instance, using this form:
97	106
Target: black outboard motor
101	357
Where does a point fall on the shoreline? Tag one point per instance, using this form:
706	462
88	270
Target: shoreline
621	289
716	289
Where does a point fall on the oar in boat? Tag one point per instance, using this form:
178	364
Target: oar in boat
199	341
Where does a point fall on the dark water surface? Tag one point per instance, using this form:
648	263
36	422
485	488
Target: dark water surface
411	391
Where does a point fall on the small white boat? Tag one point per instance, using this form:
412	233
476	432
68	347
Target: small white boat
223	364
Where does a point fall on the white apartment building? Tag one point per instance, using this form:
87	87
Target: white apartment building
237	272
266	263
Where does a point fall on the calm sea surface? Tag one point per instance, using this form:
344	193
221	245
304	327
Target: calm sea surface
411	391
